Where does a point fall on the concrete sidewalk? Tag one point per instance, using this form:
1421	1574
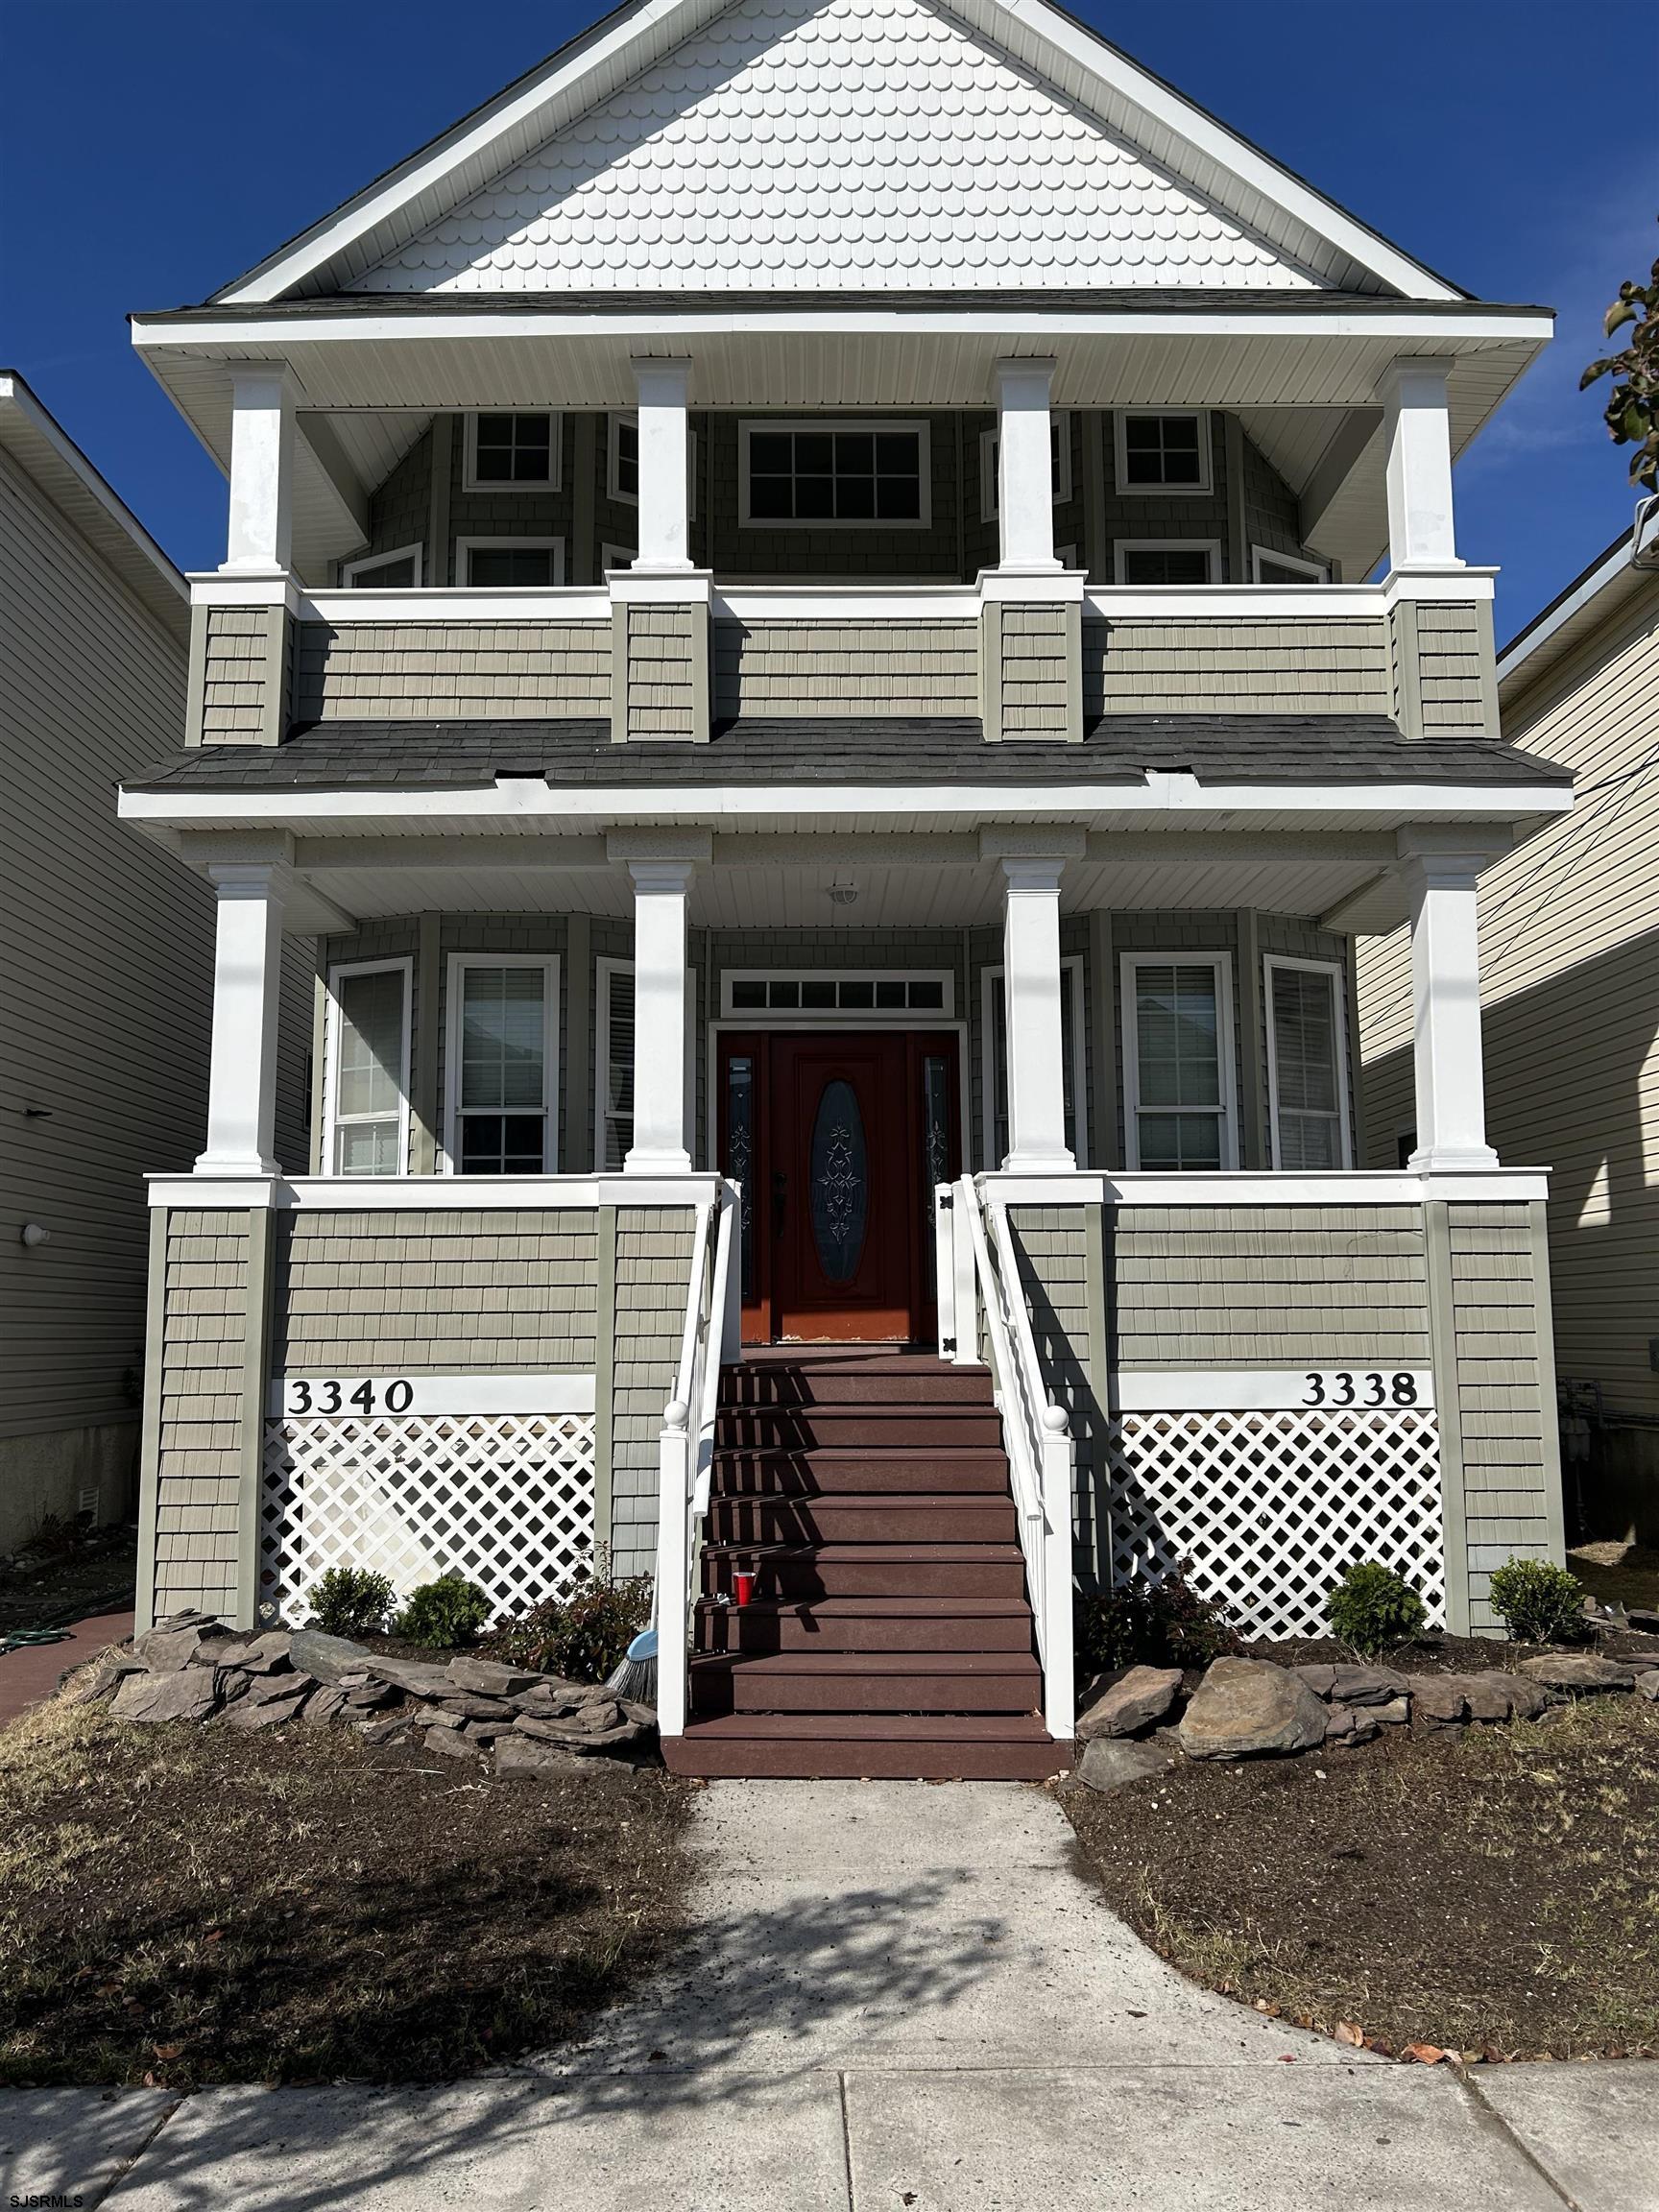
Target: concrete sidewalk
898	1997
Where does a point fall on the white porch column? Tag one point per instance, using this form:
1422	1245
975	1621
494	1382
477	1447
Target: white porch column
1031	998
1417	433
1445	1006
1025	465
247	985
664	455
661	1138
262	467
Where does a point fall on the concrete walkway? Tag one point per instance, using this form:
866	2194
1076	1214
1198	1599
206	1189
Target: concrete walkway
31	1672
899	1996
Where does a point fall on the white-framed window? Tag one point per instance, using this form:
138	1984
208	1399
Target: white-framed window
622	462
501	1109
613	1063
1180	1082
833	475
510	564
864	994
1307	1065
505	450
398	571
1267	568
994	1061
1059	465
617	557
366	1046
1161	455
1167	560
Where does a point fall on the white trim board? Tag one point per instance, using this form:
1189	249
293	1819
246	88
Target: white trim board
370	561
434	1394
1272	1389
438	1193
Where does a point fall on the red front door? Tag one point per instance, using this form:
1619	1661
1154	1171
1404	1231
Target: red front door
837	1141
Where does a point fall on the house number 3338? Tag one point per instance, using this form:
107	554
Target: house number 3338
1342	1387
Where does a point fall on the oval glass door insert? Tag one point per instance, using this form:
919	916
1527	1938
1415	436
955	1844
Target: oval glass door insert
840	1182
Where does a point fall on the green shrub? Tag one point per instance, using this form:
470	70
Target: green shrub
1538	1603
1373	1607
352	1601
444	1614
1156	1625
583	1635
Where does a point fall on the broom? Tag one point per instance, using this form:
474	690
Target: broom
635	1677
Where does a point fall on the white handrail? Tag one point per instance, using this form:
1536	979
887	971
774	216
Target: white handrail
1004	1364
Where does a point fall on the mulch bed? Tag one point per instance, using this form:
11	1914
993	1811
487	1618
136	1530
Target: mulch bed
90	1575
1437	1654
182	1906
1492	1892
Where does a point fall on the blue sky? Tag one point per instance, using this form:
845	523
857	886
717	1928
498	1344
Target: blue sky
152	152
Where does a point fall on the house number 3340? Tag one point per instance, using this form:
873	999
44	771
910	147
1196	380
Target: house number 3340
1370	1389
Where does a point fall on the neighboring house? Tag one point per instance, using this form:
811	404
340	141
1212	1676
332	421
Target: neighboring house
793	611
105	969
1569	1010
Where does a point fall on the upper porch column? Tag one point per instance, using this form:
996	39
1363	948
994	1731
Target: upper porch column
1032	1010
1446	1001
661	1136
1417	431
664	460
260	533
247	985
1025	465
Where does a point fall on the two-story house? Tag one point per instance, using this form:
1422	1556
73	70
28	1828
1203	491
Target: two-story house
795	620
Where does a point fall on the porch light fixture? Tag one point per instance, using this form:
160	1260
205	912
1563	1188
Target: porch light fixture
844	892
33	1234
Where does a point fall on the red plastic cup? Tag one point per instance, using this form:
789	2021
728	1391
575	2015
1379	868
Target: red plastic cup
742	1589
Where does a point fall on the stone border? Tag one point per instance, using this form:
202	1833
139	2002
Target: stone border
190	1667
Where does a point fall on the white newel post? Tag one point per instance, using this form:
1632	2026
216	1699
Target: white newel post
1446	1008
1031	989
260	533
1417	435
1024	465
664	452
660	1138
247	987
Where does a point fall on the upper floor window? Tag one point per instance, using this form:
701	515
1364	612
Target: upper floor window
366	1070
508	449
1284	568
503	1074
1307	1065
1162	453
622	462
854	476
1179	1086
1168	559
509	563
1059	465
398	571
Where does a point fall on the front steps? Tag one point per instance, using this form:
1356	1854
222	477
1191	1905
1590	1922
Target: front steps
867	1492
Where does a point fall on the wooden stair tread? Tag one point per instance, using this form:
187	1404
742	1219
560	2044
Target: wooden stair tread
972	1552
879	1608
877	1727
895	1663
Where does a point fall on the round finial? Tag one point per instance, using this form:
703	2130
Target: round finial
1055	1420
677	1413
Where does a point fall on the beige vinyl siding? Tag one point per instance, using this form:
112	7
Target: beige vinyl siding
1452	650
234	670
452	671
1569	986
653	1270
1034	677
1269	1287
202	1356
661	681
1137	665
782	667
1052	1245
105	971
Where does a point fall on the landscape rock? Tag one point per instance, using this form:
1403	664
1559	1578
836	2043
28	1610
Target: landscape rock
1578	1673
485	1731
552	1695
187	1694
326	1705
1487	1695
1246	1708
1350	1724
1394	1714
1438	1697
1108	1762
271	1688
1137	1699
370	1696
520	1754
451	1742
252	1712
102	1676
328	1657
1647	1685
418	1677
597	1717
174	1642
489	1679
389	1729
473	1708
263	1654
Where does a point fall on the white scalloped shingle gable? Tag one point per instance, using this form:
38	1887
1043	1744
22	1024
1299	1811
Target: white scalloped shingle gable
862	144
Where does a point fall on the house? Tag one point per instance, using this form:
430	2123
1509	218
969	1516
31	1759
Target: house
105	971
1569	1010
794	624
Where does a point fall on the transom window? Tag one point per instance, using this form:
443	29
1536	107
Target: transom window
398	571
1307	1065
510	564
1167	560
502	1077
858	475
366	1070
1178	1073
512	449
994	1064
821	992
1161	452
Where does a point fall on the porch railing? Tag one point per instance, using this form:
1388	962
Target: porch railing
685	1448
981	1267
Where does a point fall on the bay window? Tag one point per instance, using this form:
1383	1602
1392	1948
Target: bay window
1179	1085
502	1072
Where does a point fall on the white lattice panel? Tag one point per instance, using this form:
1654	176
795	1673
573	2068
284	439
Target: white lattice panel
506	1500
1263	1512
